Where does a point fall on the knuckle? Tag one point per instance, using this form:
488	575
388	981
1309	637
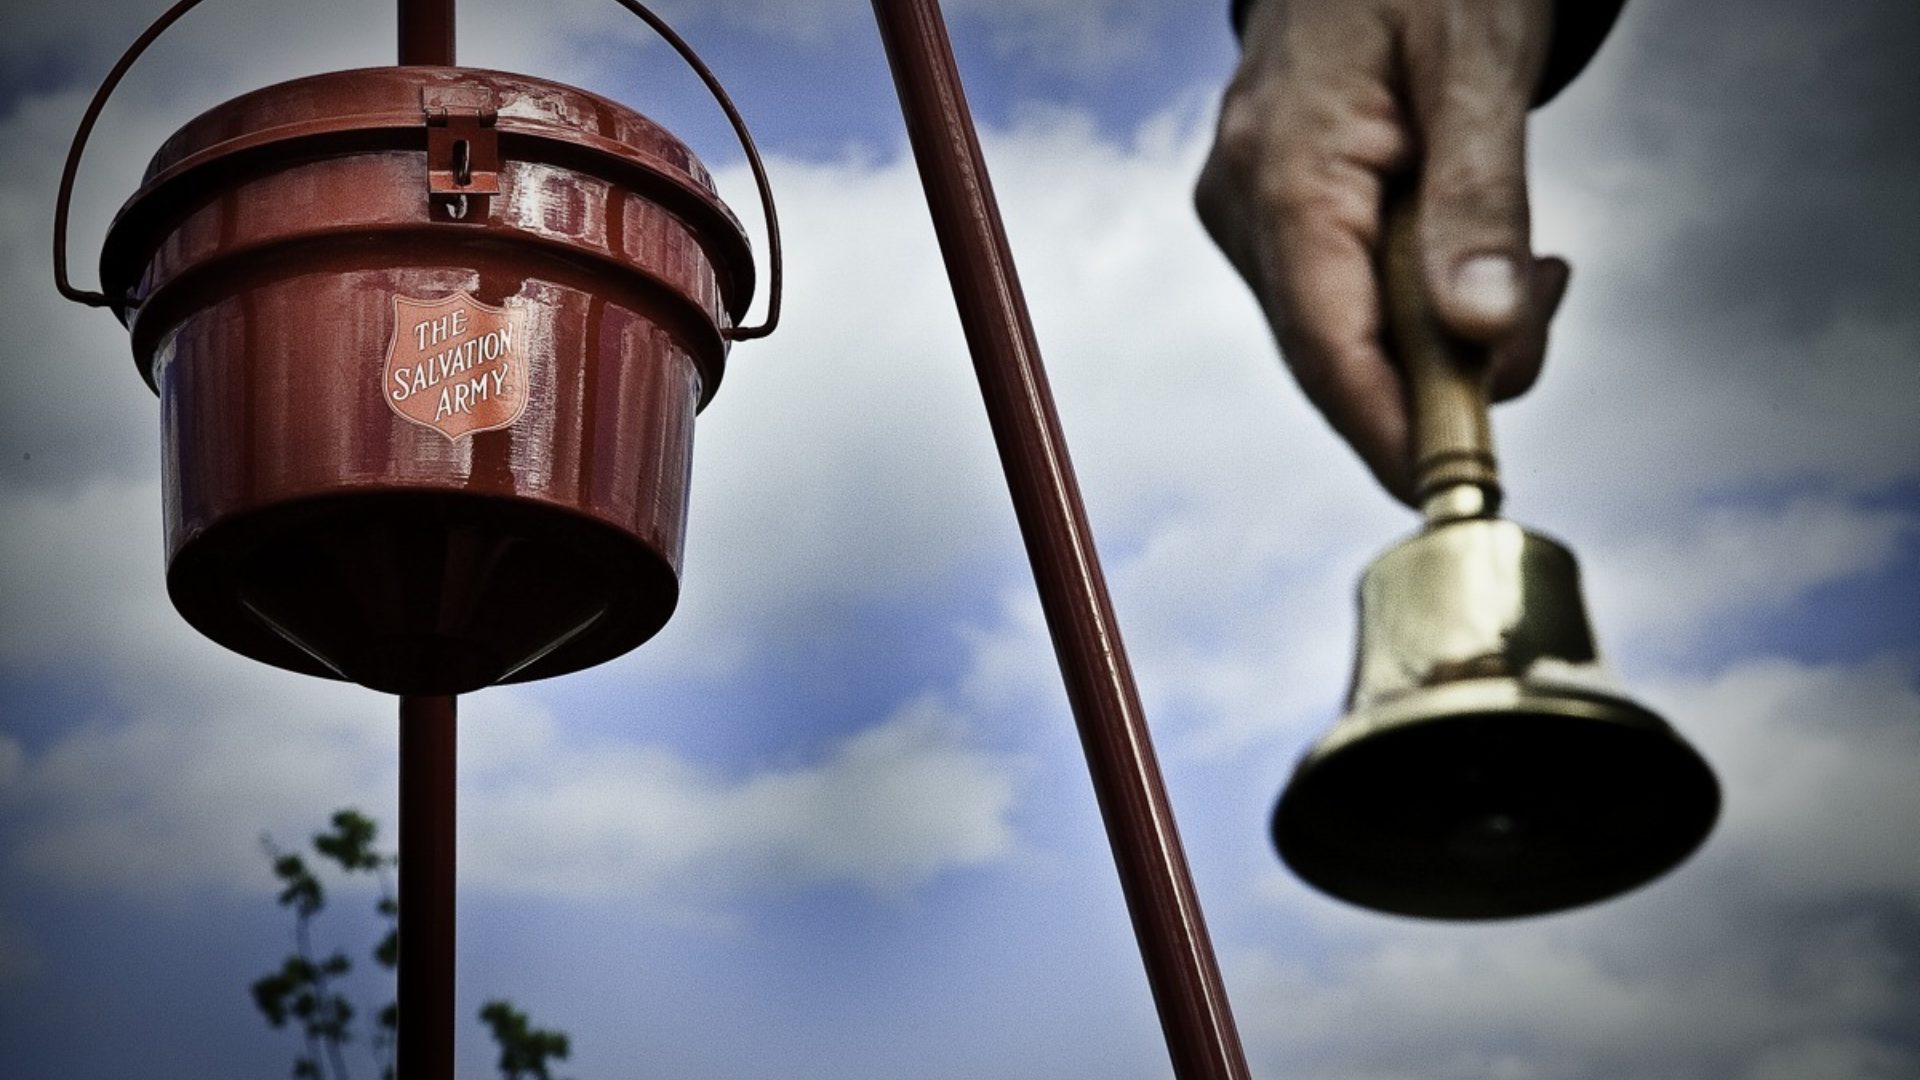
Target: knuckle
1297	155
1312	191
1478	198
1246	136
1263	169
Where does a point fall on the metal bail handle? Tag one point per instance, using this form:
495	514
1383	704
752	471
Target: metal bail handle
63	202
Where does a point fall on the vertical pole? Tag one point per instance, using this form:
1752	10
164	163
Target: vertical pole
426	32
1179	960
424	1038
425	997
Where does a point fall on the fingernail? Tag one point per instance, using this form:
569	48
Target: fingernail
1488	287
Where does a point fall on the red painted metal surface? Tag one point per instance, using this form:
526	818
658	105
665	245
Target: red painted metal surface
1181	969
312	526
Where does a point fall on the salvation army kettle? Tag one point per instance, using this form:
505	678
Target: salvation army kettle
429	343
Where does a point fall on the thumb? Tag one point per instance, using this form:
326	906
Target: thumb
1469	87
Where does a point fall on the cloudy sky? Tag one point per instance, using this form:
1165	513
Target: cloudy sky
833	822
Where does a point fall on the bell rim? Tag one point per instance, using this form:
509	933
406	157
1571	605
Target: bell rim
1487	694
1475	701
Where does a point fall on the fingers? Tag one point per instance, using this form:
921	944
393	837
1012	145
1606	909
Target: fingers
1470	71
1291	193
1517	359
1327	316
1306	245
1333	96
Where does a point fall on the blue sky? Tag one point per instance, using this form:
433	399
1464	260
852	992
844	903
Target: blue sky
833	822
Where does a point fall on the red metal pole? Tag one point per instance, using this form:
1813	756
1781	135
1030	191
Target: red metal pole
426	32
1185	978
424	1049
424	1037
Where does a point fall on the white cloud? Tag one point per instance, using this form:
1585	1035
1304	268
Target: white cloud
1724	563
76	407
846	457
1817	763
80	576
166	802
195	751
1559	1005
890	808
171	797
188	751
1739	233
168	805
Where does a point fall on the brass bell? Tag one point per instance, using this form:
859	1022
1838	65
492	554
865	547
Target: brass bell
1486	766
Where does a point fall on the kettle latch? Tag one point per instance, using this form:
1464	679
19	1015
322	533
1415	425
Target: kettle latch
463	152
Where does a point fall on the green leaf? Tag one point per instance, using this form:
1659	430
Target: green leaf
301	990
270	996
335	1019
524	1049
387	953
351	842
303	892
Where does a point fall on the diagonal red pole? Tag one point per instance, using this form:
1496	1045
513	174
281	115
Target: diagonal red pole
1181	969
423	1047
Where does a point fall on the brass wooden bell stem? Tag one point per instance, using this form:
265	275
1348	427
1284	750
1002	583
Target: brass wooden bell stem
1455	474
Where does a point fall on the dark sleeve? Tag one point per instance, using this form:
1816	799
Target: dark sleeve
1579	26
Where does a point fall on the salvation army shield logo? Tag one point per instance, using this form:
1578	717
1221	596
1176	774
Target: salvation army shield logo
455	365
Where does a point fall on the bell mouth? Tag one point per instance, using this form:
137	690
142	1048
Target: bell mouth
1485	800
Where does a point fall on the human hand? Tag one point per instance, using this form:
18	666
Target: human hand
1331	100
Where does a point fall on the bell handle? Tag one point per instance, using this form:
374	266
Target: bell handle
1454	472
